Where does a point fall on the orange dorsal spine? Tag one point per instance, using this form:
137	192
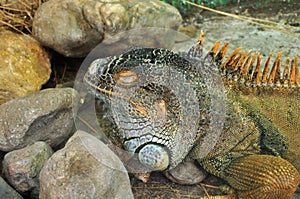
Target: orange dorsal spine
245	68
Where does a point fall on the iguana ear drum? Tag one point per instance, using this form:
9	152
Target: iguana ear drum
154	156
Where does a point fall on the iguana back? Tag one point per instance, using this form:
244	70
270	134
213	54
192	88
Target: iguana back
271	90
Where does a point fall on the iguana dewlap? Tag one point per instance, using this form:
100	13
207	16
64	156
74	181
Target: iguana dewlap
165	104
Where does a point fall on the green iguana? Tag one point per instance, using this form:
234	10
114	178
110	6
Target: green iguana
237	118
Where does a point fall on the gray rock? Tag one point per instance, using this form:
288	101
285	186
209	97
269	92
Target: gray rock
85	168
22	167
74	27
7	191
186	173
296	196
43	116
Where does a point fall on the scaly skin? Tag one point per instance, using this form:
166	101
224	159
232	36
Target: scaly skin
164	105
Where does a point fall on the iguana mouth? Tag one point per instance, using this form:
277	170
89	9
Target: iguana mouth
101	90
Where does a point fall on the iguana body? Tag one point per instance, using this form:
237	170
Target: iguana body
164	105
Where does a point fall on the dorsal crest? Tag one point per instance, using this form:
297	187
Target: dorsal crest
247	68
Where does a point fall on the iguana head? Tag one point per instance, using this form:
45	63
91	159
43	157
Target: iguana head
153	102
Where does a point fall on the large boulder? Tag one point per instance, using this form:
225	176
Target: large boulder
43	116
84	168
74	27
22	167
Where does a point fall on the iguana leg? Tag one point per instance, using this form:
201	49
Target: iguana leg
257	176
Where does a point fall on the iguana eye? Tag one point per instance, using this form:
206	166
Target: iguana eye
126	78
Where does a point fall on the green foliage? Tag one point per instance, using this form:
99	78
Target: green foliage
184	7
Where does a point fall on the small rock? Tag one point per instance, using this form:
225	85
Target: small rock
25	66
43	116
190	30
186	173
7	191
85	168
22	167
74	27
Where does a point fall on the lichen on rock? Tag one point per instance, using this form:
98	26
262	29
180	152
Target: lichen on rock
24	66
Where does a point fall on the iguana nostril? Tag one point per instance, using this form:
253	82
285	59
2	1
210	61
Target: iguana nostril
154	156
98	67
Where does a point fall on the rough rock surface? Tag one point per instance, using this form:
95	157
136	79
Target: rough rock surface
25	66
186	173
43	116
22	167
74	28
84	168
7	191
